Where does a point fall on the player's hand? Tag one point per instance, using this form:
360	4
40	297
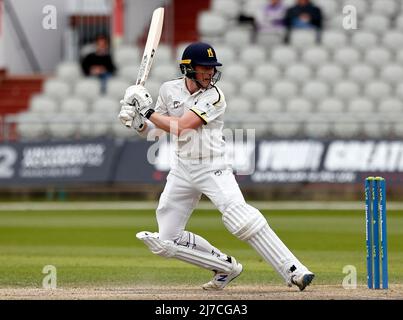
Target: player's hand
139	96
130	113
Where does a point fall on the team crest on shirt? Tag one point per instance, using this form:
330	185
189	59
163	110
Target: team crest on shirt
176	104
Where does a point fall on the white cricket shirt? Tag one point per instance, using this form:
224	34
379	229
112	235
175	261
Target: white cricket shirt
209	104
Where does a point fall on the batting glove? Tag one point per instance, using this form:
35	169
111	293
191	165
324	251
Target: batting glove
139	96
130	113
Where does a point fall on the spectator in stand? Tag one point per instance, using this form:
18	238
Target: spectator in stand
271	17
99	63
304	15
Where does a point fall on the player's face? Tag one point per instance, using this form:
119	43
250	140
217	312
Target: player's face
204	75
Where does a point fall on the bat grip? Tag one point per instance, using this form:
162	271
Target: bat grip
129	123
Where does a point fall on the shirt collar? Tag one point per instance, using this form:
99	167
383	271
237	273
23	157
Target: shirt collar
185	89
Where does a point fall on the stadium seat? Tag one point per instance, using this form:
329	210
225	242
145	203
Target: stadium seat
97	124
334	23
269	105
284	90
360	5
361	74
179	50
239	105
378	57
345	129
330	73
376	23
399	23
286	129
315	90
238	37
236	72
361	107
397	129
129	72
229	88
387	8
165	72
333	39
105	105
372	129
301	39
227	8
347	56
315	57
88	88
399	57
211	24
120	131
116	88
64	126
399	91
225	54
163	55
330	105
154	88
267	73
42	104
250	7
393	40
392	74
377	90
364	40
252	90
56	89
74	105
316	129
283	56
31	126
298	73
299	106
68	71
127	55
390	106
346	90
329	7
252	56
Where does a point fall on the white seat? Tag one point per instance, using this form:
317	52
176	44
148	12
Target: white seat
126	55
361	106
238	38
333	39
397	129
360	5
154	88
286	129
229	88
375	23
315	90
120	131
116	88
68	71
105	105
347	56
361	74
236	73
299	105
303	38
63	126
317	129
399	56
315	56
345	129
329	7
179	50
225	54
330	105
393	40
211	24
250	7
392	73
252	90
390	105
269	105
378	57
56	89
399	91
88	88
165	72
31	126
364	40
252	55
74	105
284	90
42	104
330	73
228	8
377	90
372	129
239	105
399	22
267	73
96	124
129	72
283	56
298	73
335	23
346	90
163	55
387	8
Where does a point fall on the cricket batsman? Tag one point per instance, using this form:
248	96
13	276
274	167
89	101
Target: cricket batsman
192	108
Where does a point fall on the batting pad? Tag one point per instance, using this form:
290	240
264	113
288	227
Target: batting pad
169	249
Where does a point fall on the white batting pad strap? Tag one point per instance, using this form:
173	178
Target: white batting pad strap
274	251
169	249
243	220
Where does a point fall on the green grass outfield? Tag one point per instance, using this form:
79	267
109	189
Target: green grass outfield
99	247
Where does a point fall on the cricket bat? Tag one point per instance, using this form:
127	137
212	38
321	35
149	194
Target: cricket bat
153	39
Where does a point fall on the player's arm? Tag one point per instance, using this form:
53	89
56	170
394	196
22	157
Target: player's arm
176	125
